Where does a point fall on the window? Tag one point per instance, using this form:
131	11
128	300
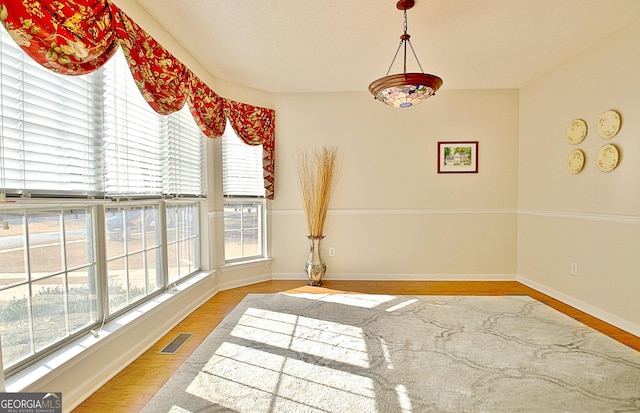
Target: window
50	145
183	240
48	286
243	189
76	151
242	228
134	259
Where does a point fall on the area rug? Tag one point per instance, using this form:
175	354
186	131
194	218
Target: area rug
388	353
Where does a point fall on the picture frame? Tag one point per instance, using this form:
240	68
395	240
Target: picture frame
458	157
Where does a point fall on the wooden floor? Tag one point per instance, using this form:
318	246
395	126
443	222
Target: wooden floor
132	388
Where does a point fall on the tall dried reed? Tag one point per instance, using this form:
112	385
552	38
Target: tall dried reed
316	173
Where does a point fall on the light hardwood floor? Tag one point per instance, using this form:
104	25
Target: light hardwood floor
132	388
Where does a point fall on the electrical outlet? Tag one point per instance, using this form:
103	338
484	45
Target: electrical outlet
332	252
574	268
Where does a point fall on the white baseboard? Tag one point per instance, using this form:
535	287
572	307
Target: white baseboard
592	310
399	277
241	282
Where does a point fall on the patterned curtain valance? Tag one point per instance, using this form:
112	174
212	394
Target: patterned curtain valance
68	37
76	37
162	79
256	126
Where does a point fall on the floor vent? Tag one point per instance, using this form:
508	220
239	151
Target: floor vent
176	343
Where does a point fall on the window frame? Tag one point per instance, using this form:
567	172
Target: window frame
262	229
94	199
243	183
101	294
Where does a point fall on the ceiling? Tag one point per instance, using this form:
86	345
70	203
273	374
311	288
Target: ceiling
286	46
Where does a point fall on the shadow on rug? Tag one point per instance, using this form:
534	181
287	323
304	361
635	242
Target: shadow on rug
383	353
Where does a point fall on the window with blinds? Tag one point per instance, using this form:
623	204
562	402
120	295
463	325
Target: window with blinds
242	166
79	136
133	136
185	160
48	145
243	187
91	135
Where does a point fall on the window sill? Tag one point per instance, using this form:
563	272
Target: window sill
239	265
87	344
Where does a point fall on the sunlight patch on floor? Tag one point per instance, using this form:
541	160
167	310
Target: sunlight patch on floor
355	300
251	380
334	341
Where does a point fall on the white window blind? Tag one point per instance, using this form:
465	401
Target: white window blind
91	135
49	144
133	142
242	166
185	155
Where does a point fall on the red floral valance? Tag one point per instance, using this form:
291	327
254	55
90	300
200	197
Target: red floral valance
76	37
68	37
162	79
256	126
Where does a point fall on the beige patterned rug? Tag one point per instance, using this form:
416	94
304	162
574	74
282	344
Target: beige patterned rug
384	353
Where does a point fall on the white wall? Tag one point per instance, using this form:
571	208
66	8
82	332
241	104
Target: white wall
392	215
592	218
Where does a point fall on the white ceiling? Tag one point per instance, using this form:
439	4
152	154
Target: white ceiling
343	45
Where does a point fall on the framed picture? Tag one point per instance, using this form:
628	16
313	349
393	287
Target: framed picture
457	157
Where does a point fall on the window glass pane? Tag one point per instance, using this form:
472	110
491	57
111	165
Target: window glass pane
154	270
194	255
117	290
45	243
183	239
137	276
232	216
152	236
250	245
173	260
249	216
184	263
133	230
83	307
232	244
243	229
60	302
17	339
49	311
114	218
133	272
12	250
78	237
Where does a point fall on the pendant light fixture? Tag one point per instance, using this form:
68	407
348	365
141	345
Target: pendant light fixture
404	90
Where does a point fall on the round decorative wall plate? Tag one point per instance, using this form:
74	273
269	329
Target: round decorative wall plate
575	162
607	158
576	131
609	124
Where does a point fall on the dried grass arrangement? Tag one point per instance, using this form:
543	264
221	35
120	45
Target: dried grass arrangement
316	173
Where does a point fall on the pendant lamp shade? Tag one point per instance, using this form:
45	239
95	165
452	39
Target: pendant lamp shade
404	90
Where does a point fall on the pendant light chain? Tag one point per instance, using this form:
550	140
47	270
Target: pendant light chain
394	57
405	38
408	40
414	55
